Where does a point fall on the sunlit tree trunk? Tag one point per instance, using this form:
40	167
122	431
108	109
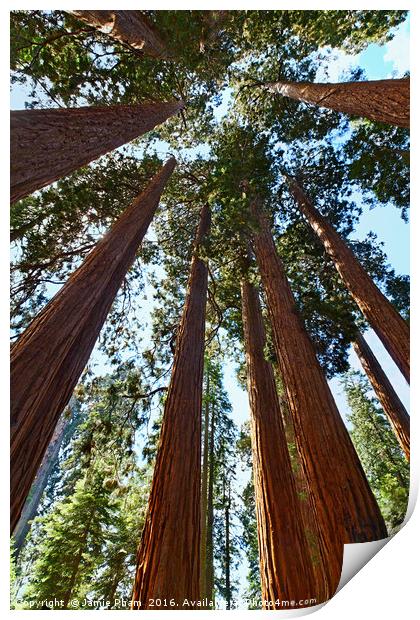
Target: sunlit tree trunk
49	357
390	327
51	143
168	559
343	502
285	559
386	101
387	396
131	28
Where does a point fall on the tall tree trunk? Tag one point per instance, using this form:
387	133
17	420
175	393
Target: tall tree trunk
227	552
210	513
49	461
204	493
51	143
131	28
49	357
387	396
285	559
343	502
168	559
312	531
386	101
392	330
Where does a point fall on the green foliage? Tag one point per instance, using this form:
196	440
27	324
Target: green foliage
83	547
386	468
378	158
83	544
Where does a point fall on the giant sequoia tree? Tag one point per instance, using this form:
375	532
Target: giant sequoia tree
50	355
145	486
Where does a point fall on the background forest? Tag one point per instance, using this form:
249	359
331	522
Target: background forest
235	137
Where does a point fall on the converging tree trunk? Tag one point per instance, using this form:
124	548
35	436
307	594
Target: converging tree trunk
168	559
49	461
50	143
48	358
387	396
390	327
131	28
285	559
343	502
312	530
386	101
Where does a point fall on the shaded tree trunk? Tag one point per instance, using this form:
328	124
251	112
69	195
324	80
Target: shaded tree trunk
391	404
204	495
51	143
49	357
30	508
390	327
210	514
285	559
131	28
386	101
168	559
343	502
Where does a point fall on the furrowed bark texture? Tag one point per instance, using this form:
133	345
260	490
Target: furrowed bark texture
391	329
391	404
129	27
51	143
386	101
285	559
343	502
30	508
168	559
49	357
310	524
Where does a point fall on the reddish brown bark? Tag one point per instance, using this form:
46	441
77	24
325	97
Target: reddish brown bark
51	143
392	330
168	559
285	559
312	532
343	502
49	357
386	101
391	404
129	27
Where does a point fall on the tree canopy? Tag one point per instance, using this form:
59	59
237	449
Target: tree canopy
234	141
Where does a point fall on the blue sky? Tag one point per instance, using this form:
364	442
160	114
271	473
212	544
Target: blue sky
390	60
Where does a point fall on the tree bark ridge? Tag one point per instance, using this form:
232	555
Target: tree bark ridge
51	143
386	101
168	558
343	502
49	357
